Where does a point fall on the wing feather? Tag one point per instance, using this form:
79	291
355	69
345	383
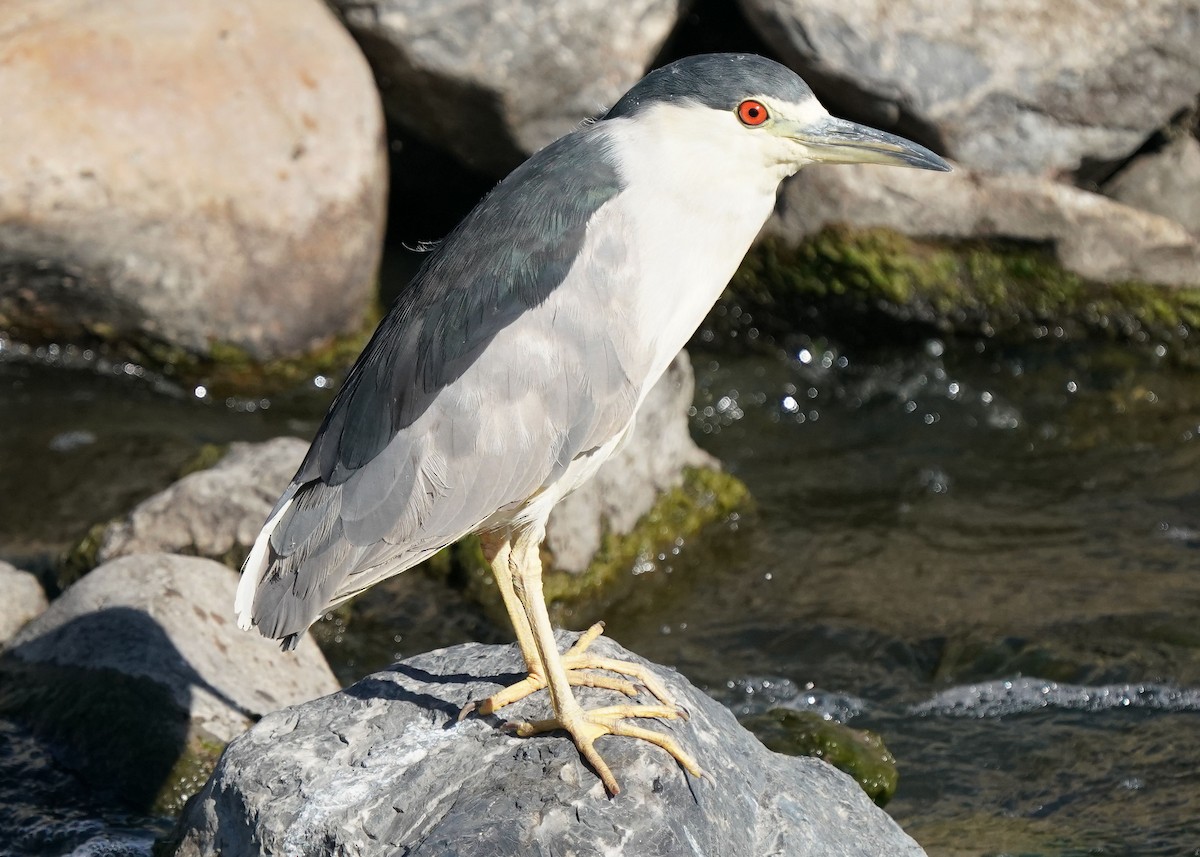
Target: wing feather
506	361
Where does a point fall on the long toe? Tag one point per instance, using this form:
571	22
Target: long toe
585	727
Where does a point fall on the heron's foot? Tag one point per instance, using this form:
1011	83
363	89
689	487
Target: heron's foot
585	727
581	666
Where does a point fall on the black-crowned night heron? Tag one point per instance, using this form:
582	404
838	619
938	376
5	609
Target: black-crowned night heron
514	363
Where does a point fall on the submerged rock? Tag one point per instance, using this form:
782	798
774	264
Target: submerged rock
138	674
183	177
21	599
384	767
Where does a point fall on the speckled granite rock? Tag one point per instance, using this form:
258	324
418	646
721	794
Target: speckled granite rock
383	768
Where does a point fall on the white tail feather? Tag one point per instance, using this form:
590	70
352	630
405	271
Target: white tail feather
255	566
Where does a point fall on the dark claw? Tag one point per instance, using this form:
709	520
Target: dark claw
466	710
684	714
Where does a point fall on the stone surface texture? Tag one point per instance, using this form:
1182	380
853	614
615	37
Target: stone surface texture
21	599
383	768
170	619
628	484
215	513
187	173
1092	235
1025	86
493	82
1166	182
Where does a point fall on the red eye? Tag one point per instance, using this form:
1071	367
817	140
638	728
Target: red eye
752	113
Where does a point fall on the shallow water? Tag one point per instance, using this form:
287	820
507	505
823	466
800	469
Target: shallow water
992	558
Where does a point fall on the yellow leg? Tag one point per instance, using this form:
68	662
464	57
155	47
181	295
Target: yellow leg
584	727
497	549
578	661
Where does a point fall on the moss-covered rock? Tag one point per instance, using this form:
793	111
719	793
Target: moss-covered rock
858	752
862	282
704	497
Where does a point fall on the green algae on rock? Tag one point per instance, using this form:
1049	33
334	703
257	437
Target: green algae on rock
875	278
857	752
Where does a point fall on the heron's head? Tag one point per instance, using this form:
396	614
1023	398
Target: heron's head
749	108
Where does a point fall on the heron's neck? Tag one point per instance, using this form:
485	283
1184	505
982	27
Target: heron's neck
692	208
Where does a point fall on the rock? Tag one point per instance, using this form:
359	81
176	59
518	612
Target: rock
183	175
1093	236
139	668
21	599
493	82
1166	182
629	483
383	768
1028	86
169	619
214	513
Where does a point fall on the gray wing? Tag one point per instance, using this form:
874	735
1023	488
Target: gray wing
468	400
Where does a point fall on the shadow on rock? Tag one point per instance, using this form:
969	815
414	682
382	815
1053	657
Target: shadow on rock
122	734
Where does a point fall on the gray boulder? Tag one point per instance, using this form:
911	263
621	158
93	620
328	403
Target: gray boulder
1029	86
21	599
179	175
384	768
1166	182
1093	236
495	80
628	484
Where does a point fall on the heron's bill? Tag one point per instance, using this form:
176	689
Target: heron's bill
836	141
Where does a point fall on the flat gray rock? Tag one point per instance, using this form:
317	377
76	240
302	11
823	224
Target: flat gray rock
187	174
384	768
1030	86
21	599
494	82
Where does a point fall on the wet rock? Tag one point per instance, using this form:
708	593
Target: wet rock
383	766
138	675
1166	182
1031	86
181	175
214	513
1092	236
859	752
628	484
21	599
494	82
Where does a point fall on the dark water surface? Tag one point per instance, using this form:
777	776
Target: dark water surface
991	558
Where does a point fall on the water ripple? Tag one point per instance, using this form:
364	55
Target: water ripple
1023	695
